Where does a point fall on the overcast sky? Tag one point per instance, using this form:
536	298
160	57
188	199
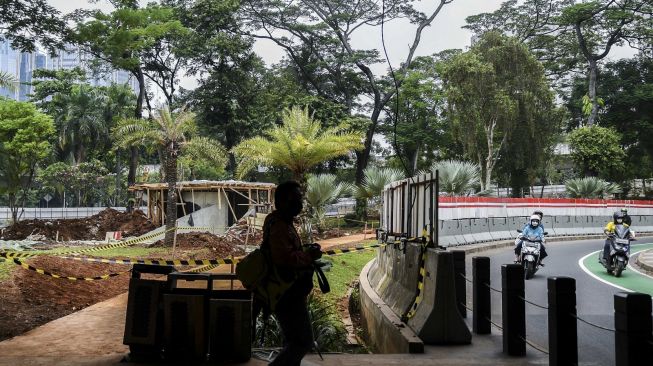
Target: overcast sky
445	32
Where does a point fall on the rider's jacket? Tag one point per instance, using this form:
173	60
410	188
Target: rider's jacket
611	226
530	231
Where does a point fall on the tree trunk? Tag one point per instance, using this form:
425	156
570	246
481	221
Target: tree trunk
593	71
133	151
171	179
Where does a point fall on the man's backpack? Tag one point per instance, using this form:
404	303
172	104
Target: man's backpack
253	269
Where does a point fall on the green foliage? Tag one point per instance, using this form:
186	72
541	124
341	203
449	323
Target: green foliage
298	145
27	22
497	91
591	187
457	178
597	151
24	142
90	182
321	191
375	179
8	81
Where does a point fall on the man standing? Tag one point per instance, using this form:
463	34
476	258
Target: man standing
294	265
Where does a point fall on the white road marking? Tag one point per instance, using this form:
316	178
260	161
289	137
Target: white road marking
582	266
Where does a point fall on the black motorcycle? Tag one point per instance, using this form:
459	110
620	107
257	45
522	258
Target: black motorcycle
530	254
619	250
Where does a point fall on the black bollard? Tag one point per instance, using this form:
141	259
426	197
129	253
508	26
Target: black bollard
513	310
563	328
460	282
632	323
481	295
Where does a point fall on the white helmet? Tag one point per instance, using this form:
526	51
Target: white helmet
535	218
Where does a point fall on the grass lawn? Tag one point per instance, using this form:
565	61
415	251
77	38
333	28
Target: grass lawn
5	269
346	268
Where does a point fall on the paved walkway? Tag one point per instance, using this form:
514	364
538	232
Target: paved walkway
93	336
344	241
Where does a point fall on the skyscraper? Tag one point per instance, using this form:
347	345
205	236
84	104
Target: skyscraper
21	66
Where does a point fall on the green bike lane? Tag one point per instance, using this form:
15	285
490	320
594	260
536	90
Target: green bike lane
630	280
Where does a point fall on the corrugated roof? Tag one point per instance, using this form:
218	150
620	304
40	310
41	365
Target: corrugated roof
204	184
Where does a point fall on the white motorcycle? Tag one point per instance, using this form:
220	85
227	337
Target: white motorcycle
530	254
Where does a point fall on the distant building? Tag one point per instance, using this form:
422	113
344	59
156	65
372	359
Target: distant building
21	66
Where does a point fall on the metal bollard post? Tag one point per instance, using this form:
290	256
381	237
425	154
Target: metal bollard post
513	309
481	295
632	323
460	283
563	327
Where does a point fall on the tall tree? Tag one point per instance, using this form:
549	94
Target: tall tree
24	142
175	134
587	30
317	37
27	22
492	90
139	40
420	126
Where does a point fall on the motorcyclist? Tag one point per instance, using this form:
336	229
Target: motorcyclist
618	218
533	228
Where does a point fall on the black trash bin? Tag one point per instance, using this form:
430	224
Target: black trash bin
144	320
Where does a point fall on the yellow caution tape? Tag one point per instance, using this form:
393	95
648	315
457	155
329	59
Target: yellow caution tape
70	278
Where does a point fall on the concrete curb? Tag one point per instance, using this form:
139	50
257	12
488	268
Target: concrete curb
648	267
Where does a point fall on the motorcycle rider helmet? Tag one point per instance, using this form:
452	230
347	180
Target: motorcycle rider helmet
535	221
624	211
618	218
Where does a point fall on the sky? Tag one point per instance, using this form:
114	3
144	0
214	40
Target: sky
444	33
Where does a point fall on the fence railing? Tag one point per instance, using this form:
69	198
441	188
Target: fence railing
632	320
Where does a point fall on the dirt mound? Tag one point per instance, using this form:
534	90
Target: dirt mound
29	299
220	246
88	228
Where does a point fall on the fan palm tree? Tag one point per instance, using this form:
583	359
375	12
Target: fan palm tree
374	180
8	81
457	177
298	144
174	134
321	191
590	187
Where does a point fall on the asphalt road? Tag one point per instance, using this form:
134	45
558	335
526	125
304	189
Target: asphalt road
594	298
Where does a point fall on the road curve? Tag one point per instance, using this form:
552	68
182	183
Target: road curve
594	297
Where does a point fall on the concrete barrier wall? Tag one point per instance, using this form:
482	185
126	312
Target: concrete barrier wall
472	231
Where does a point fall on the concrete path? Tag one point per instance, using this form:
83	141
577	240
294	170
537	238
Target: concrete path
344	241
645	260
93	336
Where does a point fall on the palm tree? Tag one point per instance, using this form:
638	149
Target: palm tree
174	134
374	180
298	145
590	187
457	177
321	191
8	81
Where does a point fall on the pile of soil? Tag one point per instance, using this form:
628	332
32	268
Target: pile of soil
88	228
28	299
220	246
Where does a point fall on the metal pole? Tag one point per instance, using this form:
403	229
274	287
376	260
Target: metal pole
481	295
513	309
632	322
563	327
437	208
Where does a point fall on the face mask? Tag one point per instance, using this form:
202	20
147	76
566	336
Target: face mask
534	223
619	221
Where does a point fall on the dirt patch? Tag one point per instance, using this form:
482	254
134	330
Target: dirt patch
219	246
28	299
88	228
337	233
